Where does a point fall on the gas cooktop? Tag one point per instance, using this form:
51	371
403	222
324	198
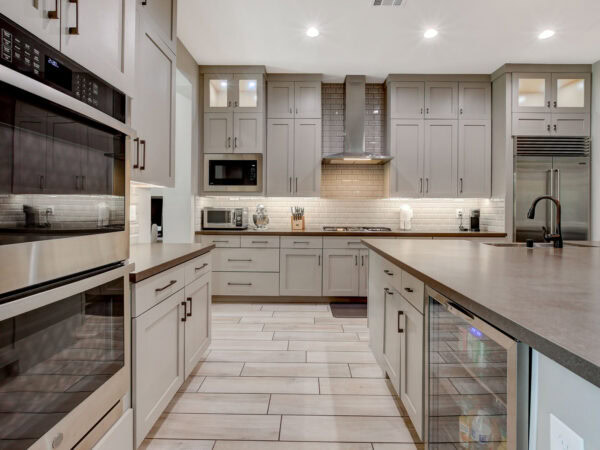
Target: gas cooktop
364	229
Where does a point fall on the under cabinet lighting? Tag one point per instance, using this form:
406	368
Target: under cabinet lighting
546	34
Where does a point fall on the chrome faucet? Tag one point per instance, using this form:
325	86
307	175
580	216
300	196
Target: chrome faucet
555	237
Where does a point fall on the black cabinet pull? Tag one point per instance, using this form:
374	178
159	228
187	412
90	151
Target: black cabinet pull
201	267
356	260
137	153
41	181
387	291
54	14
75	30
409	290
238	260
260	242
189	299
387	272
239	284
185	314
144	2
400	314
171	283
143	166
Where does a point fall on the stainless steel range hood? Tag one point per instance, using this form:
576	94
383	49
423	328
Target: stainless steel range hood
354	127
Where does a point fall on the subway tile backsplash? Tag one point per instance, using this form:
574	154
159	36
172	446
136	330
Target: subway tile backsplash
429	214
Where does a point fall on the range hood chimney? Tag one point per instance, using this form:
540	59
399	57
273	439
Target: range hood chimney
354	127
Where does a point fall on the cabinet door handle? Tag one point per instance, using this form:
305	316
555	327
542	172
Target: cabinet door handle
75	30
235	144
421	111
144	2
296	185
356	260
260	242
301	242
461	185
554	126
239	260
362	261
387	272
239	284
185	313
548	127
409	290
290	184
461	111
137	153
76	182
143	165
229	142
171	283
54	14
189	299
41	181
427	185
296	110
353	243
83	183
319	260
221	241
235	103
229	103
548	103
420	185
387	291
400	314
427	110
291	111
201	267
555	103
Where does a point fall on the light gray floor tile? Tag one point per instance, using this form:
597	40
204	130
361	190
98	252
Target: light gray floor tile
333	405
295	370
261	385
202	403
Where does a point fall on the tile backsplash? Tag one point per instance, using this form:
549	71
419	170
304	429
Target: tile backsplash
352	181
429	214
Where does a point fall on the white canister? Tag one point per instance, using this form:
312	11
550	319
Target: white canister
406	215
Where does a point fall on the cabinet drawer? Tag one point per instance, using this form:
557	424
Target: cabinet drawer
246	260
343	242
245	283
222	240
301	242
392	275
155	289
413	290
260	241
197	267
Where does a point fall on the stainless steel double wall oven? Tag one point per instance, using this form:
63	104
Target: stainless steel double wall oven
64	246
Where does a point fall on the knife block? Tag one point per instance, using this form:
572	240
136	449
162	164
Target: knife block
297	225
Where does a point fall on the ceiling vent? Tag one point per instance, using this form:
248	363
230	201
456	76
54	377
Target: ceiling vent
388	2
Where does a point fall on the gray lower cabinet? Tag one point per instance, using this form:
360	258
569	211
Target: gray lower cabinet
153	108
300	272
294	157
197	321
474	158
363	273
391	336
441	145
376	305
340	272
158	361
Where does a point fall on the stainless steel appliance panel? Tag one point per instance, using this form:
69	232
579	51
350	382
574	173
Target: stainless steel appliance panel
224	218
571	185
533	177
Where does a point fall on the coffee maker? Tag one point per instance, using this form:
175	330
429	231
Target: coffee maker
475	213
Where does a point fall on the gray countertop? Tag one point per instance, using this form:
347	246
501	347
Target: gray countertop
151	259
315	231
547	298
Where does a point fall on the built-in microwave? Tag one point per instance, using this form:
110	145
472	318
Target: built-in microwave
233	173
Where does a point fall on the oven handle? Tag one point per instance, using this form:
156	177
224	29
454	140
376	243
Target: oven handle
53	295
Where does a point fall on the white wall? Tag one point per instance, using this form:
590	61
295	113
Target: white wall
595	235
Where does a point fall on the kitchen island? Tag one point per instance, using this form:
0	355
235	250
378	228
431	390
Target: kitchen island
545	299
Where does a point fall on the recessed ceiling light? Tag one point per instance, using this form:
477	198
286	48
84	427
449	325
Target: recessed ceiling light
312	32
223	84
546	34
431	33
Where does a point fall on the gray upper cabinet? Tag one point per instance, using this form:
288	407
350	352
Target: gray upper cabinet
280	157
280	100
164	14
407	145
107	27
153	109
307	157
218	92
41	17
218	133
441	143
441	100
233	92
406	99
248	131
474	101
532	92
474	158
307	99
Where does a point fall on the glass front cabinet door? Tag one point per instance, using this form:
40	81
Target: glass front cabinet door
571	92
551	92
237	93
532	92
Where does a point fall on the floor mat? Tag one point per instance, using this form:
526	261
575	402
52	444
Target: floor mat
348	310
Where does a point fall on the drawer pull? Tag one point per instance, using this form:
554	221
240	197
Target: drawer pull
201	267
260	242
301	242
409	290
171	283
239	260
387	272
54	14
222	241
400	314
354	242
185	314
189	299
75	30
239	284
387	291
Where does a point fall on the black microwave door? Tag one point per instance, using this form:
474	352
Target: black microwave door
232	172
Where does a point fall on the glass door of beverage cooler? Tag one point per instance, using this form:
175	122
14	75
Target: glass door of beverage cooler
472	381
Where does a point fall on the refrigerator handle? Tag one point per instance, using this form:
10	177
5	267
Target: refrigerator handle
550	226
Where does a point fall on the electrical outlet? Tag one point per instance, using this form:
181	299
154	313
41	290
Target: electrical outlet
459	213
562	437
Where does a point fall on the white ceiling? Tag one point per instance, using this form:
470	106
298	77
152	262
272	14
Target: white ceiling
475	36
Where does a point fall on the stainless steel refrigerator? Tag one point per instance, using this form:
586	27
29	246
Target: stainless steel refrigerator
556	166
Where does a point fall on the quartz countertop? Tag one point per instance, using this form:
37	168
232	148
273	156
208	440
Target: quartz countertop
151	259
547	298
319	232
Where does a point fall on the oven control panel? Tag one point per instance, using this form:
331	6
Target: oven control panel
29	55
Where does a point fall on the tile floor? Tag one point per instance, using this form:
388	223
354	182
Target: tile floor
284	376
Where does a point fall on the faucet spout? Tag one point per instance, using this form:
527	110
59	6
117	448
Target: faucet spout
554	236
